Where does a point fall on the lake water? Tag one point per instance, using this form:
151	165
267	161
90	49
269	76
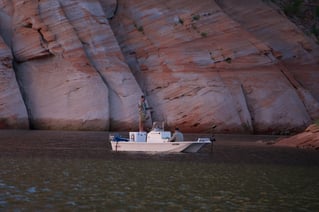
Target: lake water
54	184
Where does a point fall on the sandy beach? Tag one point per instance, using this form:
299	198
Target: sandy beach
248	149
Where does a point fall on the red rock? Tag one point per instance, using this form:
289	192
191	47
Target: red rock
83	65
13	113
308	139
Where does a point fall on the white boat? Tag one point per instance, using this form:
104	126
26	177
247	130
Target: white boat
157	140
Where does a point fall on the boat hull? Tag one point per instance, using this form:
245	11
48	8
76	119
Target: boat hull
185	146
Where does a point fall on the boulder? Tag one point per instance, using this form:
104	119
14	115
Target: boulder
309	139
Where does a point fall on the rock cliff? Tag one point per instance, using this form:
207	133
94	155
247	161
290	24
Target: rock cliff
82	65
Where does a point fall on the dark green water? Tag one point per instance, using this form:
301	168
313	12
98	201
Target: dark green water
46	184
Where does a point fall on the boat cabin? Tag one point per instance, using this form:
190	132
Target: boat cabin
156	135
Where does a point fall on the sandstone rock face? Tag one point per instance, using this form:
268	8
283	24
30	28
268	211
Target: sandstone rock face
211	65
309	139
13	113
82	65
68	62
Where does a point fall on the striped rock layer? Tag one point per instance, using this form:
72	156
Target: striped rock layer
82	65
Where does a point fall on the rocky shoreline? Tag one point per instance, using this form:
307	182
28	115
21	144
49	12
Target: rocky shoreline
309	139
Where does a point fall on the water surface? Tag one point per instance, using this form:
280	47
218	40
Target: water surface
143	185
